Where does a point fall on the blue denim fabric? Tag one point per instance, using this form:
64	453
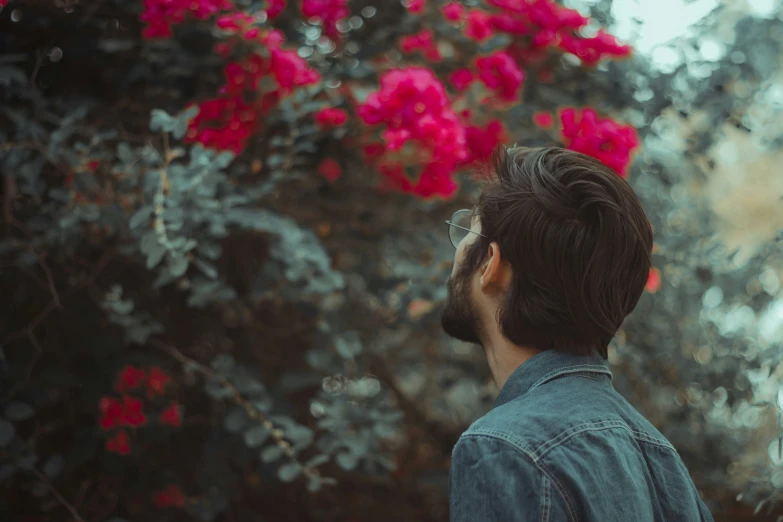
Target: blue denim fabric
562	444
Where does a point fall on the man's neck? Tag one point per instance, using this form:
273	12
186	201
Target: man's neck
504	357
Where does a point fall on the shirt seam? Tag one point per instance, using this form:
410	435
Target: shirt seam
542	450
546	498
539	465
571	369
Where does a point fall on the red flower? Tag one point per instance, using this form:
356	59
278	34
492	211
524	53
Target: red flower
604	139
543	120
132	414
653	280
483	141
373	150
330	169
478	27
421	41
172	496
160	15
453	11
331	117
415	6
119	444
172	415
112	413
156	382
274	8
329	12
462	78
129	378
500	72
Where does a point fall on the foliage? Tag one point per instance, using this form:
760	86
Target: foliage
221	265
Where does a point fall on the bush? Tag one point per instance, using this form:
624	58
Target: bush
222	266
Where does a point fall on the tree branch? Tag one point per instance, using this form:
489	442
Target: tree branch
56	494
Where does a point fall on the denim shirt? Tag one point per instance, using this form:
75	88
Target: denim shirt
562	444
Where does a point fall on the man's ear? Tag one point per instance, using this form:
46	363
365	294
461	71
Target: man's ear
493	269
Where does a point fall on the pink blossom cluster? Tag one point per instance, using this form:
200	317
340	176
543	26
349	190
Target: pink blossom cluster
413	106
129	412
161	15
604	139
328	12
501	73
546	23
228	122
423	42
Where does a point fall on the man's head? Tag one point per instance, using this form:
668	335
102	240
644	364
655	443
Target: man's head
560	257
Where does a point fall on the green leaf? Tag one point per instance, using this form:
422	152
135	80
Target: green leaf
178	266
223	363
160	121
215	389
347	461
6	432
54	466
235	420
17	411
256	435
314	484
140	217
208	269
317	461
289	472
271	453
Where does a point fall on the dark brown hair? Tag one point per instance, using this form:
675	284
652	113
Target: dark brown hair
577	239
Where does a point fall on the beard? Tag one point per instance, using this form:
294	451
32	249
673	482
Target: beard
460	317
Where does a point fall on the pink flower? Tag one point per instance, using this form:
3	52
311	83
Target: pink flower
500	72
453	11
112	413
462	78
157	380
328	12
223	124
423	42
413	106
653	281
543	120
330	169
604	139
416	6
591	50
161	15
172	415
172	496
478	26
482	142
331	117
129	378
274	8
119	444
132	414
291	71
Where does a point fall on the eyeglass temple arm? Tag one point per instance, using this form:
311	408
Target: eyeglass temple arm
463	228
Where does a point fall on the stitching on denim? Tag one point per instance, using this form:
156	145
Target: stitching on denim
540	451
594	426
589	376
503	437
546	499
571	369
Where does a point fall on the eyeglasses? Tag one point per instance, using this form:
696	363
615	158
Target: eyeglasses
459	226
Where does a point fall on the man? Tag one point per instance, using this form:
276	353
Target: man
551	259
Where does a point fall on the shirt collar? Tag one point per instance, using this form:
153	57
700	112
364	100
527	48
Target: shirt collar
545	366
